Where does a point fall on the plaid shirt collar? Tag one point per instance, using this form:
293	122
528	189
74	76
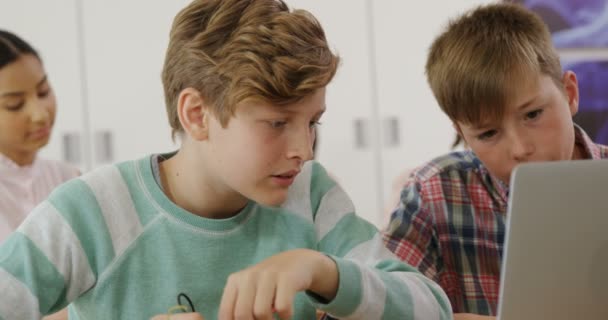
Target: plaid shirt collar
592	150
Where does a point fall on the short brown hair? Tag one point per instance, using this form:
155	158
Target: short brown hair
476	63
237	50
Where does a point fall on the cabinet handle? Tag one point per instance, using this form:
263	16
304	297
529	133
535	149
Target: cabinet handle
104	151
391	132
71	148
361	136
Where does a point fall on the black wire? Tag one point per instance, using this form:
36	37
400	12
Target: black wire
179	301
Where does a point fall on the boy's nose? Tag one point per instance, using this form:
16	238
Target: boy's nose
522	147
301	147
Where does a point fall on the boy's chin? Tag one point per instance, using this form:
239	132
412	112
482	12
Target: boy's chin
274	199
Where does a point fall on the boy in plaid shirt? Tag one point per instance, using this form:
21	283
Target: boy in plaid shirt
496	74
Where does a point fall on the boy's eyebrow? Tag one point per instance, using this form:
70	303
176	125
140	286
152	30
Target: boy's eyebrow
20	93
484	126
295	110
481	126
527	104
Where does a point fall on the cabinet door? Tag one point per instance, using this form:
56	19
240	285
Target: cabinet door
346	137
403	34
51	28
125	45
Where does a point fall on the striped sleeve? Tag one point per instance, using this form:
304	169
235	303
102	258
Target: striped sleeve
44	265
65	244
374	284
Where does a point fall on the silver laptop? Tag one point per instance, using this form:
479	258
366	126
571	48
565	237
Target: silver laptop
555	263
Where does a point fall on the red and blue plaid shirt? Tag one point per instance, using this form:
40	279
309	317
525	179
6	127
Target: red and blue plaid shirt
450	224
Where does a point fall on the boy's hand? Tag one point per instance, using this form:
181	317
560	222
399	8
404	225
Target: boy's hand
271	285
61	315
470	316
179	316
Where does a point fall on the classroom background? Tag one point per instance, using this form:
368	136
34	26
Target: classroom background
104	60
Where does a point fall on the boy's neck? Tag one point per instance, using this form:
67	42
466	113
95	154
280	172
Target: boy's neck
190	187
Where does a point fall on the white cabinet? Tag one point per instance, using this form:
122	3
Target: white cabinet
125	44
403	34
346	136
382	90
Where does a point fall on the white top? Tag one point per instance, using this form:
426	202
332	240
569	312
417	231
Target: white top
22	188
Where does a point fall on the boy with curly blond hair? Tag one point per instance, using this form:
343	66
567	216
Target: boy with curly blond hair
239	219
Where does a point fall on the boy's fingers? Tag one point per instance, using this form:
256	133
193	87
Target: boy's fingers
245	296
264	298
283	302
226	311
181	316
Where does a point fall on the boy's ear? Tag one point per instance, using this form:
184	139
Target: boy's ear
457	129
571	90
193	114
459	139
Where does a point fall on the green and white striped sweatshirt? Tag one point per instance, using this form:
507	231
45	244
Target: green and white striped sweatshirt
115	246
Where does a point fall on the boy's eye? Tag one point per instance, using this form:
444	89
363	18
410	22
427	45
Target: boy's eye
486	135
314	124
534	114
277	124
